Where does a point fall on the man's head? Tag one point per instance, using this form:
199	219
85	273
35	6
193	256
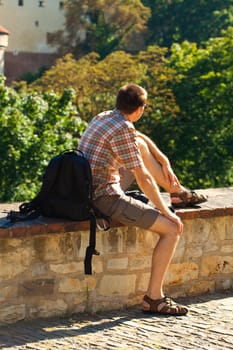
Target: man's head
130	97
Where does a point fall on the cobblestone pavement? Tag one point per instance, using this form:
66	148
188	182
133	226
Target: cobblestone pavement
208	325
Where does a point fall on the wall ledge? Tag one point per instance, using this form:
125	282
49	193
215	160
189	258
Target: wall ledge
220	203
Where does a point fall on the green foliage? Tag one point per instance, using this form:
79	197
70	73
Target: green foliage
204	128
179	20
29	77
97	81
34	127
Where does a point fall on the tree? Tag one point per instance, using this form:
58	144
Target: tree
101	26
179	20
96	81
204	128
34	127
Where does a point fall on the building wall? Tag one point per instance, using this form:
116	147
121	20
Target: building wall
29	24
16	65
1	61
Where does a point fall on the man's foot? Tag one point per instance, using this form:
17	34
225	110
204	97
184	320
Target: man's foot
164	306
187	199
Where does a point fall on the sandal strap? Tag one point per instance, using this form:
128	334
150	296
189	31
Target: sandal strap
168	306
195	198
182	195
153	302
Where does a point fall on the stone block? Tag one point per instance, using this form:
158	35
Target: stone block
150	240
131	240
15	263
82	244
117	264
117	285
228	228
200	287
227	247
140	262
196	231
67	268
181	273
38	287
13	313
224	284
193	253
47	308
180	252
113	240
9	270
143	281
88	283
97	264
47	248
69	285
216	265
39	269
9	245
7	292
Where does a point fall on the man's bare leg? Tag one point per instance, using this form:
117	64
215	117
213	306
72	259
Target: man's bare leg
155	169
169	234
162	255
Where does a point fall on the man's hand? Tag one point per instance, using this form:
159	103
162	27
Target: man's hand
170	176
174	218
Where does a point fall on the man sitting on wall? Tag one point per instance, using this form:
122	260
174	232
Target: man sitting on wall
115	149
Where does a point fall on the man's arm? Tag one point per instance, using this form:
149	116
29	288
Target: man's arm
149	187
169	175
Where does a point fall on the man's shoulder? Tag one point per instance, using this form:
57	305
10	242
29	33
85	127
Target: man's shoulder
112	119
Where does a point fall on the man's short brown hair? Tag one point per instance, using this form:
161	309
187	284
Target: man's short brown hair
130	97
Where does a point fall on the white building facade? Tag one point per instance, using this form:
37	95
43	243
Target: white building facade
29	22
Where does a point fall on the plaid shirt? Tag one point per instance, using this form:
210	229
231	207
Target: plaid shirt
109	143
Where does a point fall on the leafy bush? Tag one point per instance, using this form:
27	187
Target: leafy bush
34	127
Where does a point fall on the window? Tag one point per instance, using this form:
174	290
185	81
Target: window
41	4
61	5
36	23
20	2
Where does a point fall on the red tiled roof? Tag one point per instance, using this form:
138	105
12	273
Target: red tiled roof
4	30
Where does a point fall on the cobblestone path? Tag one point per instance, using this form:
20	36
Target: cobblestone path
208	326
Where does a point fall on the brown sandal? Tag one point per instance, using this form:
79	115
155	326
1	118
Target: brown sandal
164	306
187	200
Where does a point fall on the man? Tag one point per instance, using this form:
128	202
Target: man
112	144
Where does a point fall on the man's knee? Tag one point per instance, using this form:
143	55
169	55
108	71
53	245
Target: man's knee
176	232
173	235
142	146
166	227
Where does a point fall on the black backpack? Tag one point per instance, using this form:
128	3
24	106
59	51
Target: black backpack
66	192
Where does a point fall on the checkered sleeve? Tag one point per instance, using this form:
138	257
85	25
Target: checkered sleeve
125	148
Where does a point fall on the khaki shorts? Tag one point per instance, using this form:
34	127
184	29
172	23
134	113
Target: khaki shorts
127	210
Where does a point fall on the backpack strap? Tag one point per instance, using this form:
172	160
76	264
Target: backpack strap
95	217
90	251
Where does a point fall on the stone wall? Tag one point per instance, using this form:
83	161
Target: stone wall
42	271
18	64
